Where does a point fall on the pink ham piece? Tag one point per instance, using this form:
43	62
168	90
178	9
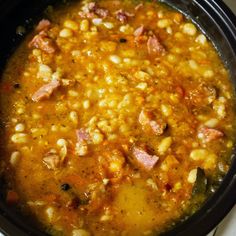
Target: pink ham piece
82	135
144	159
92	9
209	134
43	42
139	31
123	16
45	91
146	119
43	25
154	46
158	127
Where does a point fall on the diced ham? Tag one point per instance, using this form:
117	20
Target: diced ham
202	95
46	90
209	134
139	31
51	160
92	6
146	119
92	10
43	25
103	13
154	46
83	137
123	16
43	42
86	15
144	159
158	127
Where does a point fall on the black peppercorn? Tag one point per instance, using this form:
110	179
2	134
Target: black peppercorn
122	40
65	187
16	86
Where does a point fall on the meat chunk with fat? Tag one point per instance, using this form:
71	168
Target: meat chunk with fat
123	16
147	120
43	42
139	31
202	95
209	134
144	159
46	90
43	25
158	126
145	117
83	137
154	46
92	10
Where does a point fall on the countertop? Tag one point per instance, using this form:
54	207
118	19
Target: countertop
231	4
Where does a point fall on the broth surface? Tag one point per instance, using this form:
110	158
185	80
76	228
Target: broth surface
117	119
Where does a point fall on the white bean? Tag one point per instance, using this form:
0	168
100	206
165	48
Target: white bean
192	176
80	232
19	138
189	29
66	33
61	142
74	117
19	127
164	145
108	25
15	158
115	59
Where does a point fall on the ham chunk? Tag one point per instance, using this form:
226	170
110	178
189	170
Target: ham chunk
45	91
139	31
146	119
154	46
144	159
123	16
158	127
51	160
43	42
209	134
83	137
92	10
202	95
43	25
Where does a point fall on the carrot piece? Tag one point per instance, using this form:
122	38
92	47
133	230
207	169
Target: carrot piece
204	62
12	197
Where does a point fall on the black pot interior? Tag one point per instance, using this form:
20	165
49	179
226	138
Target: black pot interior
215	19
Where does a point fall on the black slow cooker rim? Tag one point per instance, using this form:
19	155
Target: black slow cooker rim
216	208
221	202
